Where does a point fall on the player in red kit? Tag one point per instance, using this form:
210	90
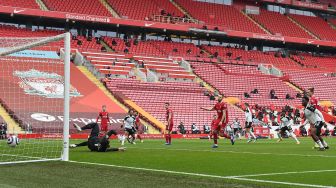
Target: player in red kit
104	119
312	99
138	127
221	122
170	123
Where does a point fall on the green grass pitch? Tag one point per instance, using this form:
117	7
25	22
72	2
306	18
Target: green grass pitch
186	163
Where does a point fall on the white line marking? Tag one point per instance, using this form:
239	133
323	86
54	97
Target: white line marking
283	183
283	173
22	156
203	175
31	161
239	152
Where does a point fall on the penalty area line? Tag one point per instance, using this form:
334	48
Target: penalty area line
237	152
203	175
284	173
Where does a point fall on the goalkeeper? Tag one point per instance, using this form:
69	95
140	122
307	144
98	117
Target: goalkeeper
95	142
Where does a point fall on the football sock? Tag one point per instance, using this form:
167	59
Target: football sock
319	144
325	144
215	137
294	136
169	138
254	137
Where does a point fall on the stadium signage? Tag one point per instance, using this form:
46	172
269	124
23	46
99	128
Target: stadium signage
89	18
268	37
301	4
44	84
310	5
43	117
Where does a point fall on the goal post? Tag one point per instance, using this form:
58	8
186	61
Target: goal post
35	93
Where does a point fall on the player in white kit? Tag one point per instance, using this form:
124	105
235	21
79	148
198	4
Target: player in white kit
286	126
236	128
316	120
248	124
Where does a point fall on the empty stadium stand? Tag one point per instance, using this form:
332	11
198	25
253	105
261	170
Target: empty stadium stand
219	15
309	61
144	9
279	24
320	80
141	47
122	64
92	7
185	99
240	56
235	84
316	25
20	3
179	49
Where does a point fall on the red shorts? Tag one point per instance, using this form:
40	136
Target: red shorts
103	128
217	126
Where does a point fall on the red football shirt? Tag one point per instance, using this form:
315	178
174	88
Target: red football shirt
220	107
169	111
137	121
104	118
314	100
215	122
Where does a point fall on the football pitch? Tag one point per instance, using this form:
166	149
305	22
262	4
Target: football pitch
186	163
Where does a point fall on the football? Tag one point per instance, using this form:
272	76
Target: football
13	141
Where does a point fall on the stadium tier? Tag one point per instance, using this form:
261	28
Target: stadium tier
309	61
219	15
122	65
321	80
237	55
144	9
279	24
240	69
179	49
232	84
185	99
91	7
316	25
132	46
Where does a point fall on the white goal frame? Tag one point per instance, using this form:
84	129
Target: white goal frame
66	58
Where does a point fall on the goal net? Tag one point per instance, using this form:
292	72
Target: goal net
34	98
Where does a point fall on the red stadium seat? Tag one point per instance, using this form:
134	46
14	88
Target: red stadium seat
20	3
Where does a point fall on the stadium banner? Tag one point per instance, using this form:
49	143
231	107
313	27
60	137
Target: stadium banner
262	131
310	5
303	4
284	39
287	2
38	82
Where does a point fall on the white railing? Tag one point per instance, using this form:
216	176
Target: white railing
140	74
151	76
